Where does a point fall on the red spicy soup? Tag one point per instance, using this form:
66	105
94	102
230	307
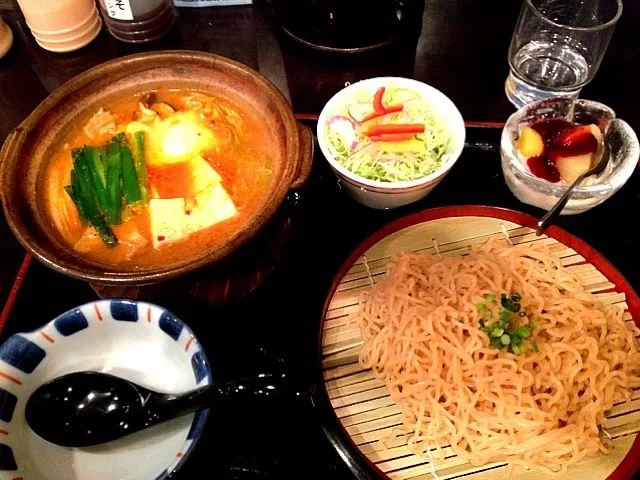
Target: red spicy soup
192	167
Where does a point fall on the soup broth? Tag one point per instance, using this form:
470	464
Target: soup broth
207	168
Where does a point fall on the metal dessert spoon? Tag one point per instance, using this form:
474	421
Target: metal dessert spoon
89	408
598	166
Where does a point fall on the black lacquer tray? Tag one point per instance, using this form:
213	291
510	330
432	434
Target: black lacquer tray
275	327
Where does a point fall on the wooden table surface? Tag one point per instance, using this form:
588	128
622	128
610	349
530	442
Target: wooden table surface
462	50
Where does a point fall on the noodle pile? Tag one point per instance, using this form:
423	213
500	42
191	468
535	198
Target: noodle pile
541	409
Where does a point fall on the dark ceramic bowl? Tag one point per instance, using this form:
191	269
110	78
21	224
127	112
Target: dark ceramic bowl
26	151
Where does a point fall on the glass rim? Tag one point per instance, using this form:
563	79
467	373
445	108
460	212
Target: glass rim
602	26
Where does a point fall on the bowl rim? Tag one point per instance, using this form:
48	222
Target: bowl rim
91	271
507	150
428	92
200	418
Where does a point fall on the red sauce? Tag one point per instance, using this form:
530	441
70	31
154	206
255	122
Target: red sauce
541	167
550	128
561	139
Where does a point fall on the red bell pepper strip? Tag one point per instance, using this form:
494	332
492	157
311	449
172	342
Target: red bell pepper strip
391	128
379	109
393	108
388	110
377	100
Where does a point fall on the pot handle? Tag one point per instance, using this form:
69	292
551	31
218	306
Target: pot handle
305	160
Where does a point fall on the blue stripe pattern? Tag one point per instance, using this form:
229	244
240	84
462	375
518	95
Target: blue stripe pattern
199	365
170	325
7	462
124	310
199	421
7	405
21	353
71	322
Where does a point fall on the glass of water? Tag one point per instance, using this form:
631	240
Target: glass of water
557	47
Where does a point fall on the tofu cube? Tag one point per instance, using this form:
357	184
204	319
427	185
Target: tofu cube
168	220
212	206
203	175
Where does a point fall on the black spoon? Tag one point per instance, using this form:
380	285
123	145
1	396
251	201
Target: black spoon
88	408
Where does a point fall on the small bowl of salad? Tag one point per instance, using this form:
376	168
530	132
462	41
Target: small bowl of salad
548	144
390	140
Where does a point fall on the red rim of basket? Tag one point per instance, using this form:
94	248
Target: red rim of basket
631	461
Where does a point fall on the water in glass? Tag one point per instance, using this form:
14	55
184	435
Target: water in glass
551	65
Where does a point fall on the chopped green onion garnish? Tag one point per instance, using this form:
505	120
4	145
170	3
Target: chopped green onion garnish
506	331
523	332
509	304
141	168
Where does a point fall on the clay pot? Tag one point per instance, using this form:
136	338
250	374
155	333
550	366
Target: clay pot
28	148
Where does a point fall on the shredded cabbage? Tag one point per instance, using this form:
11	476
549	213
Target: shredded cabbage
425	153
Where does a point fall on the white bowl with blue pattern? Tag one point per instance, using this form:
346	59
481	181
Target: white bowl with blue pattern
138	341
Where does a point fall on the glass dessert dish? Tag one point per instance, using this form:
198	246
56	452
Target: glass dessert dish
623	151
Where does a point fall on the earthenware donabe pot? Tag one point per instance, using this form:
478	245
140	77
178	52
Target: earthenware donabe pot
26	151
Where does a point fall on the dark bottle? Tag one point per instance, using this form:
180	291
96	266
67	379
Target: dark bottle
138	21
348	25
